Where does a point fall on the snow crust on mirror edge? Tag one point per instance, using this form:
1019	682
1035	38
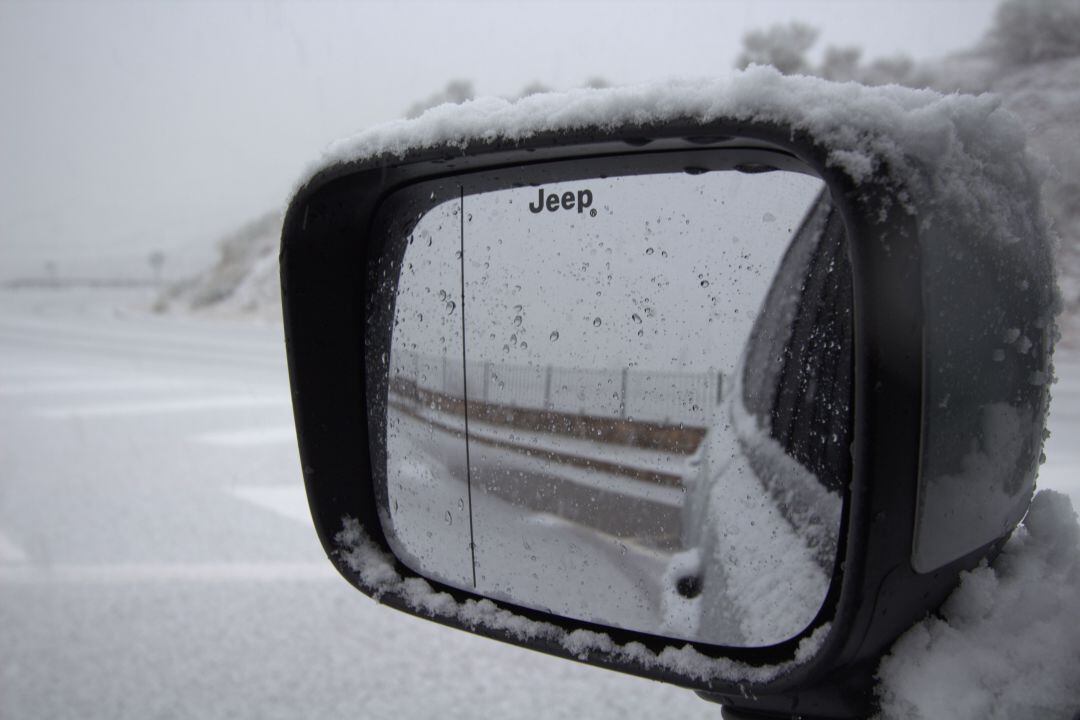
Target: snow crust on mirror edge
376	570
1006	644
957	153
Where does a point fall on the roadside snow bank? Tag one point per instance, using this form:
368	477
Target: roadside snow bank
1007	644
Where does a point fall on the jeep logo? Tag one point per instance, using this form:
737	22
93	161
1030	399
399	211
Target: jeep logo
581	200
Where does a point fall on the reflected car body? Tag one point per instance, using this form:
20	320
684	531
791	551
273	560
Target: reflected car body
762	519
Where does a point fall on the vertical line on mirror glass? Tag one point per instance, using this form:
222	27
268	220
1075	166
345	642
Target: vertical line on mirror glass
465	381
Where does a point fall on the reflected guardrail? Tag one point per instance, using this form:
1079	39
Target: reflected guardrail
666	397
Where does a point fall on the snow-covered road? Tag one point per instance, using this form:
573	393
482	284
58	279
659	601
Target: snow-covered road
156	558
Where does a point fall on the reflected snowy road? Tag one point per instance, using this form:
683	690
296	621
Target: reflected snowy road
156	556
563	562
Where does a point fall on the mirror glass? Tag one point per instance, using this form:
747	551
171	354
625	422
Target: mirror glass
626	400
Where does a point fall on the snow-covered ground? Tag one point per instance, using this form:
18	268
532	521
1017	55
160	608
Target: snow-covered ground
156	556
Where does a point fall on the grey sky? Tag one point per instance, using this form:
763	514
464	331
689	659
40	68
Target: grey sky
134	126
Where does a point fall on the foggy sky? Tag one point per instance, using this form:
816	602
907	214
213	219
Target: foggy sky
129	127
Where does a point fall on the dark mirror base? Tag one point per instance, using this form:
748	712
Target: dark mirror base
729	713
848	697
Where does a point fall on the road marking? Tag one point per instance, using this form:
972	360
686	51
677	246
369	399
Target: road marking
160	407
122	574
252	437
9	551
286	500
91	386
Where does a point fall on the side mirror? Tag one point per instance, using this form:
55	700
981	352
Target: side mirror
720	386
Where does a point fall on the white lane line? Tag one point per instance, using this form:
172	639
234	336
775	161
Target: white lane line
251	437
18	373
91	386
160	407
9	551
166	572
286	500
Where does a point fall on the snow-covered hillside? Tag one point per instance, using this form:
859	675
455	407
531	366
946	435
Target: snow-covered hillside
242	282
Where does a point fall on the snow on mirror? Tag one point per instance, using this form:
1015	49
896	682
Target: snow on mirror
626	400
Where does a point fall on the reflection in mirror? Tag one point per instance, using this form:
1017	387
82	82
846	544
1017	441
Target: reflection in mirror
627	400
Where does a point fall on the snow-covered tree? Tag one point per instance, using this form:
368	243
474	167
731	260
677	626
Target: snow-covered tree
783	46
456	91
1033	31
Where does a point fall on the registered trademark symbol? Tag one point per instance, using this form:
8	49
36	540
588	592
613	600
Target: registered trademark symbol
592	213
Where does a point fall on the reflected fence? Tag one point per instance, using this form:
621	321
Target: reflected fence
630	394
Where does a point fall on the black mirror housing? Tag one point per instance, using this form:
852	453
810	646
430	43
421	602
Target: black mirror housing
914	194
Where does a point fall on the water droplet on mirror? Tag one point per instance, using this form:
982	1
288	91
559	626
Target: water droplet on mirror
506	348
524	345
449	518
554	336
636	318
450	306
596	322
461	503
648	251
517	321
